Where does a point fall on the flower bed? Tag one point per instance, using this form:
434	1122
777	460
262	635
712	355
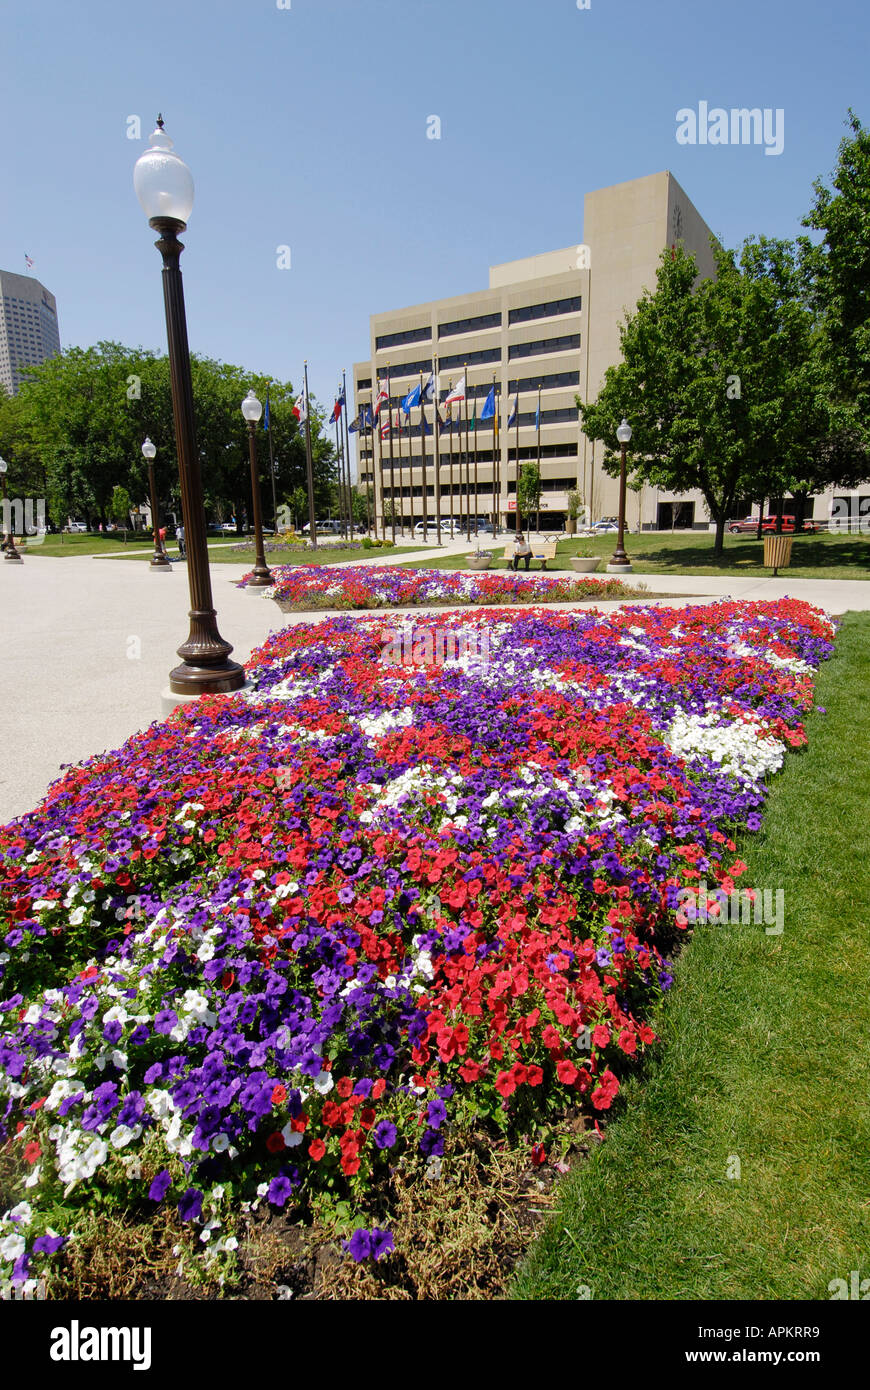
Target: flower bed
305	587
279	946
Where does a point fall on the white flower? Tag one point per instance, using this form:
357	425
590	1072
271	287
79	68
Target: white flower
12	1248
291	1137
22	1213
122	1135
323	1083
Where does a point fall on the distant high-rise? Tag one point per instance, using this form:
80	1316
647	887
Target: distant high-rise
28	326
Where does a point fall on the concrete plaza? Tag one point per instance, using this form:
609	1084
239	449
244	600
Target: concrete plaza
88	645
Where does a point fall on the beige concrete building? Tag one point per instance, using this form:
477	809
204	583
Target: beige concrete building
547	328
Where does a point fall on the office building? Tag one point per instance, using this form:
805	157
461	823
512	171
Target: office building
28	326
546	329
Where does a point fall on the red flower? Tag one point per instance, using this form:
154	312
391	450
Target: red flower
566	1072
344	1087
350	1163
279	1095
378	1089
275	1143
471	1071
601	1035
317	1149
505	1084
627	1041
534	1076
539	1155
32	1151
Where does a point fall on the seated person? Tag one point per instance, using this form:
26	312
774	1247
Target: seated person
522	551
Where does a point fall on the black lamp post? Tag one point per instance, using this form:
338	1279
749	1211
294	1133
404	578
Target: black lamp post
620	564
9	551
261	578
159	560
164	187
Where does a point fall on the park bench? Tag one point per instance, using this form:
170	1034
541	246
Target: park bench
541	550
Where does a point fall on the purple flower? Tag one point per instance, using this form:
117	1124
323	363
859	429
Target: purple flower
140	1034
160	1186
382	1243
280	1189
436	1114
48	1245
190	1206
359	1245
385	1134
166	1020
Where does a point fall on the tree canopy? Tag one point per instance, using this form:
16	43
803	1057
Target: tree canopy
74	433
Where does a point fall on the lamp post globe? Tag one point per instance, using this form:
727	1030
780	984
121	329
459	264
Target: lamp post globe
620	563
261	576
164	186
159	560
8	526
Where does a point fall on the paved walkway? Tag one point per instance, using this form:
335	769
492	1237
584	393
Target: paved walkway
87	649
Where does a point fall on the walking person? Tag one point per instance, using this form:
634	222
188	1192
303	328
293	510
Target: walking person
179	536
522	551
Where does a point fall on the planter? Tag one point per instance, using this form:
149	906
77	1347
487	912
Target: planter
777	552
571	525
479	562
585	564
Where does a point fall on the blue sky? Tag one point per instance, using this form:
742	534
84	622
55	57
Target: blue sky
307	127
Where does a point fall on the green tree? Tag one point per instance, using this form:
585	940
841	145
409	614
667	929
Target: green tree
529	489
837	272
120	508
714	379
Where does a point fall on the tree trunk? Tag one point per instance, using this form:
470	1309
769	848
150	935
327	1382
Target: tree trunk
719	543
761	503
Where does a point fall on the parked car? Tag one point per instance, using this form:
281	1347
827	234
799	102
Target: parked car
76	526
605	524
750	524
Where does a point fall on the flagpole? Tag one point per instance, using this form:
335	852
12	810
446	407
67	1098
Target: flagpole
539	459
467	461
338	452
271	460
476	504
365	431
423	463
495	490
376	430
392	473
436	425
347	451
517	423
399	414
312	524
450	412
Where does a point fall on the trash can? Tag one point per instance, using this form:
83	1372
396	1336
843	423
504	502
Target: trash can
777	552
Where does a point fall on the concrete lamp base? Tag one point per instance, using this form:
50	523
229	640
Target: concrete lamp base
619	569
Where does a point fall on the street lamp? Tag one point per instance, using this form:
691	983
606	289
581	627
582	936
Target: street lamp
164	187
620	564
159	560
10	553
261	578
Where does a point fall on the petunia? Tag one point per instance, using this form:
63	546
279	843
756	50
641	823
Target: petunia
190	1205
160	1186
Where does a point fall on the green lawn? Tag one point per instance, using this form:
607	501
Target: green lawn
663	552
765	1041
221	550
322	556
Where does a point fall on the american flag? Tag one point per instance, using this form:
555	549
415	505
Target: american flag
27	261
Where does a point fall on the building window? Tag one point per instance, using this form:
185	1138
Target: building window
547	383
364	383
545	311
470	359
475	325
544	345
410	335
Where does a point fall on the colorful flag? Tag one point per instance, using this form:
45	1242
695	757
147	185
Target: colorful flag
538	417
385	428
412	399
368	422
266	413
458	391
429	388
427	428
488	406
336	411
300	409
514	409
381	399
27	261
